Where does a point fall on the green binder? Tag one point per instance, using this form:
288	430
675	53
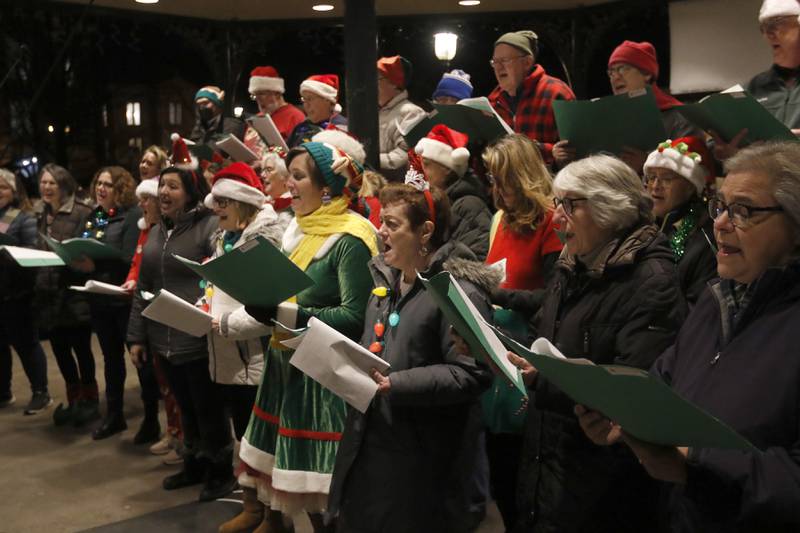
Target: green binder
473	117
462	314
72	249
611	123
641	403
728	113
255	273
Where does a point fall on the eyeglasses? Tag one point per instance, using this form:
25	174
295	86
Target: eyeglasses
567	203
664	180
740	215
254	96
776	24
503	60
620	70
222	203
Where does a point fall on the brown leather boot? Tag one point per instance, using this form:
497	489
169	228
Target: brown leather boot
251	516
273	523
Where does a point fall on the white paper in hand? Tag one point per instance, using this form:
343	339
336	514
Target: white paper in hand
338	364
98	287
172	311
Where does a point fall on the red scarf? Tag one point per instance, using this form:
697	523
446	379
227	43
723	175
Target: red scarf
664	101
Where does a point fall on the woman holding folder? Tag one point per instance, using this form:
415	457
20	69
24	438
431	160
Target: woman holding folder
113	222
614	298
407	463
185	229
64	314
290	445
736	358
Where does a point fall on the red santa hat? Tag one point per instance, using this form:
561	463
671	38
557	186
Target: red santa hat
445	146
237	182
265	79
324	85
396	69
181	156
688	157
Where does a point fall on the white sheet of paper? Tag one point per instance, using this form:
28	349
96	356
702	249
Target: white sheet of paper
170	310
267	129
98	287
494	343
30	257
337	363
500	266
236	149
545	347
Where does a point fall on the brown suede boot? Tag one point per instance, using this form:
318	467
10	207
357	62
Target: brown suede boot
273	523
251	516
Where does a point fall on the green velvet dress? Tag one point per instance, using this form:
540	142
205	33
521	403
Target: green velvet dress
291	441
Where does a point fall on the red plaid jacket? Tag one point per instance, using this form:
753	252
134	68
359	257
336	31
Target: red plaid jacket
534	113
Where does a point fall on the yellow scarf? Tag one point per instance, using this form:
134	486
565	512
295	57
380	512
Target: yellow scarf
324	222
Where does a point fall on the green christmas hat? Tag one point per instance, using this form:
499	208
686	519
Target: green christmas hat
324	156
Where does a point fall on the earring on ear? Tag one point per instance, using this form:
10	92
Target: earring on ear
424	251
326	196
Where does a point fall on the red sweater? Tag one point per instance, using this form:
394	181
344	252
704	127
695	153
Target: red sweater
133	273
523	252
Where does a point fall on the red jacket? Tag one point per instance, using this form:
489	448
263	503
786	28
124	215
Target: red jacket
133	273
533	115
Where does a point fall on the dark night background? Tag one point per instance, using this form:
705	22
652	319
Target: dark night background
65	63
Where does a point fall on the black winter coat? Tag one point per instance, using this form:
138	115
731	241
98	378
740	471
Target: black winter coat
625	308
190	238
122	233
406	464
744	369
16	282
471	218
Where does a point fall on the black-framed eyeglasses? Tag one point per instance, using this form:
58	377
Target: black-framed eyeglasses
740	215
664	180
567	203
620	70
222	203
503	60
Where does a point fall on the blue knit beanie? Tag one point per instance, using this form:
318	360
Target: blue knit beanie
456	84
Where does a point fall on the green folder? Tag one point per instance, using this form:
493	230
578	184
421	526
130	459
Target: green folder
729	113
611	123
472	117
465	318
255	273
641	403
31	257
72	249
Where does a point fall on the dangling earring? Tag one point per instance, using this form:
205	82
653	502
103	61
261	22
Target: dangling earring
326	197
424	251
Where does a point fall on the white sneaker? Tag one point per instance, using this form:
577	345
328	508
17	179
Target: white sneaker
163	446
172	458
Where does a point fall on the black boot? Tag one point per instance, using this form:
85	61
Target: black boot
220	480
194	470
113	423
150	430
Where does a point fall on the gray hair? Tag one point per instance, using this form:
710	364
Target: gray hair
277	161
780	161
616	197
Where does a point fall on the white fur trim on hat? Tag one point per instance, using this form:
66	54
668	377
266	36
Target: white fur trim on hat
683	165
235	190
778	8
324	90
343	142
265	83
148	186
444	154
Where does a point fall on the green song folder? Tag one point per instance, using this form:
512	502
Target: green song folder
473	117
611	123
467	321
255	273
72	249
638	401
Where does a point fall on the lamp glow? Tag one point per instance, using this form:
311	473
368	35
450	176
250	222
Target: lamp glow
468	3
146	1
237	111
445	45
322	7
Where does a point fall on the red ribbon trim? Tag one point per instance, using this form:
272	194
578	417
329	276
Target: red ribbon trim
296	433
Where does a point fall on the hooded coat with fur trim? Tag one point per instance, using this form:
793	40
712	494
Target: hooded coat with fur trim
232	360
405	465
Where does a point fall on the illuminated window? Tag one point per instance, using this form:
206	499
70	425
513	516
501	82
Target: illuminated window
175	113
104	113
133	114
135	142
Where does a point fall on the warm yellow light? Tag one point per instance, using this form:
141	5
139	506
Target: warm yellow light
51	129
146	1
445	45
468	3
322	7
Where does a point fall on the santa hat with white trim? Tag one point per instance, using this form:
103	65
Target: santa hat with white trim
238	182
688	157
181	156
778	8
265	79
147	187
447	147
343	141
325	86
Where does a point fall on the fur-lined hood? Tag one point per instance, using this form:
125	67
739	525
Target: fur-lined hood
267	224
453	257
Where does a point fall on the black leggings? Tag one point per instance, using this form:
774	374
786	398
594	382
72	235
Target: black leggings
18	330
110	323
78	339
239	400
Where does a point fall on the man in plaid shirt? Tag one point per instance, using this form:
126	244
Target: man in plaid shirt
525	93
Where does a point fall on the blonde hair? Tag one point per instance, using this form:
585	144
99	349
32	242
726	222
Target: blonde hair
245	212
159	153
516	165
371	184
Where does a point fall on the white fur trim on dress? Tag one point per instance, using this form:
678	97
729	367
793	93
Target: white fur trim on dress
256	458
234	190
681	164
324	90
444	154
265	83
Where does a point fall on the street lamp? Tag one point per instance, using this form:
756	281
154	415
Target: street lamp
445	45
